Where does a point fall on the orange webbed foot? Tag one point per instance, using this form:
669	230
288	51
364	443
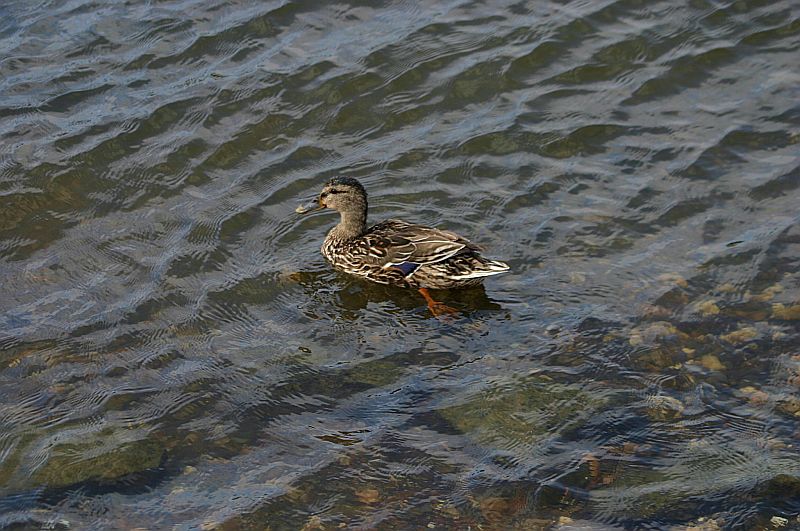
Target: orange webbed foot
438	309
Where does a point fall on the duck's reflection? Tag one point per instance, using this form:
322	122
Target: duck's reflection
354	294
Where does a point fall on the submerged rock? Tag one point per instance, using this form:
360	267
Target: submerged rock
768	294
368	496
673	278
778	521
712	363
790	406
521	412
661	408
781	486
703	524
71	464
742	335
707	308
657	359
786	313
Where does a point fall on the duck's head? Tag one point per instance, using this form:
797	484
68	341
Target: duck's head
343	194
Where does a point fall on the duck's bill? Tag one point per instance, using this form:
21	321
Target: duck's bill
308	207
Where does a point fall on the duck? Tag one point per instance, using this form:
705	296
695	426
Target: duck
396	252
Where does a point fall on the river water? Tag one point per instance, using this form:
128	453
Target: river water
175	352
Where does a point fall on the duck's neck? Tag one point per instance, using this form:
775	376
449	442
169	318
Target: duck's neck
352	225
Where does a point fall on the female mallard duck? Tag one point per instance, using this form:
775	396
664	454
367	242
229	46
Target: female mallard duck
396	252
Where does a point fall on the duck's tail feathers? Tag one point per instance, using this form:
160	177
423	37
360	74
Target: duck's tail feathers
485	268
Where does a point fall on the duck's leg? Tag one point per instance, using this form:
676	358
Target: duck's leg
437	308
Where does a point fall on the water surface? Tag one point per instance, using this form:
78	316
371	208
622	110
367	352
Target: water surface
175	353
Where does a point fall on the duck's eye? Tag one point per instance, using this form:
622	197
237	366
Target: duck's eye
323	194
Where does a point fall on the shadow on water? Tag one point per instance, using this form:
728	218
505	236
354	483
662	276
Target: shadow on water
357	294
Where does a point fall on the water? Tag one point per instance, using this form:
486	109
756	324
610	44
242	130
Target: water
177	354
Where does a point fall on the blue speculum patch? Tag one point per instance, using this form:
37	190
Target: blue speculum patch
407	267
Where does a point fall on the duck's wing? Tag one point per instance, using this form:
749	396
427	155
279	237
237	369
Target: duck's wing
394	243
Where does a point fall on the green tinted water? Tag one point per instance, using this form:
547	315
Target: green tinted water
174	351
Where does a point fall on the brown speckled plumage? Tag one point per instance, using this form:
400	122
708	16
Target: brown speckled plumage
396	252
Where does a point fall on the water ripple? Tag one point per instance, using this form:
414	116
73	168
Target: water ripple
176	353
